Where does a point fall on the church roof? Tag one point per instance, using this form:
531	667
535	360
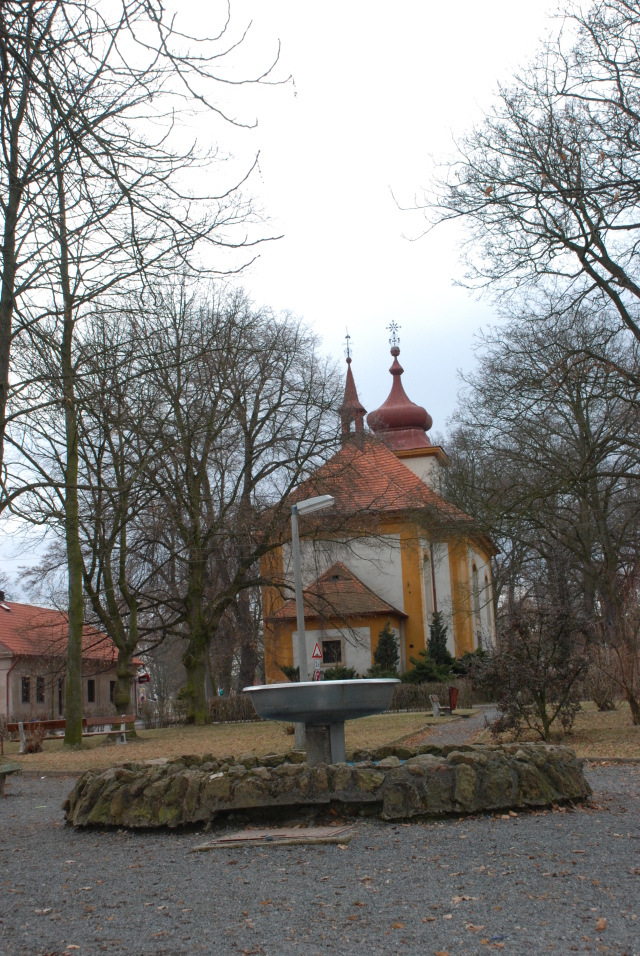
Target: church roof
366	476
399	422
338	593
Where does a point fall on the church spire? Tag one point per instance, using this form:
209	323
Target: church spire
351	411
399	422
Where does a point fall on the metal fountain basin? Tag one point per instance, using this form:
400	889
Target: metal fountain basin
322	703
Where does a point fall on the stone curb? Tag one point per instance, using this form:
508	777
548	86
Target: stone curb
426	781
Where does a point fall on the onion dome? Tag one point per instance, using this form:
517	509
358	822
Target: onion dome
351	411
399	423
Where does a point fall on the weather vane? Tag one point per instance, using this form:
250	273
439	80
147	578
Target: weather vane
394	340
348	341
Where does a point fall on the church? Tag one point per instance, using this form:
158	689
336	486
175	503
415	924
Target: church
390	551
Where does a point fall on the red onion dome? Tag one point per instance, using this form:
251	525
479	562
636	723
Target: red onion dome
399	422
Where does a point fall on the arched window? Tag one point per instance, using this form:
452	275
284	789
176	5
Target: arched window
475	589
489	603
429	598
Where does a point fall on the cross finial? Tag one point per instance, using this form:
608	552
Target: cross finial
348	341
394	339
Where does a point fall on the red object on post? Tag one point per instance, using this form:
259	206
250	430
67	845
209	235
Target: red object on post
453	698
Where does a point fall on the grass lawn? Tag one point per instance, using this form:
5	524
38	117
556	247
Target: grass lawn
260	738
596	734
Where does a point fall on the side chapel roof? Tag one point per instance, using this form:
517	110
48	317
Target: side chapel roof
338	593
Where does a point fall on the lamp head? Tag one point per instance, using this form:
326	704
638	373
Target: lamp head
314	504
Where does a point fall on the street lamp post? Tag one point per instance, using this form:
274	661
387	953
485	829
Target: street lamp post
302	508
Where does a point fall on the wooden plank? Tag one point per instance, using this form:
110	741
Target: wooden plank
279	836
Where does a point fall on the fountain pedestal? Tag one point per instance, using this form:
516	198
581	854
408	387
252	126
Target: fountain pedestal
323	707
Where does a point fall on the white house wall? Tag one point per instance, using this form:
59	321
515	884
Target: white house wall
5	664
357	646
427	468
443	590
486	597
376	562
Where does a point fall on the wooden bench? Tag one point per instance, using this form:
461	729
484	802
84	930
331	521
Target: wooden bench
120	733
5	770
55	728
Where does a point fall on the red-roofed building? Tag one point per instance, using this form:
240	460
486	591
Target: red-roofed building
391	549
33	656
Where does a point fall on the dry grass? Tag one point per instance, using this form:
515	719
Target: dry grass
217	739
596	734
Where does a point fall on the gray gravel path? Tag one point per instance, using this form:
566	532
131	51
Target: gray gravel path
535	883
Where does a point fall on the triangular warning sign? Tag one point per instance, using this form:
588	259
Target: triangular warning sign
317	653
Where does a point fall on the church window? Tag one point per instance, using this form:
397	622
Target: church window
489	602
428	587
475	588
332	652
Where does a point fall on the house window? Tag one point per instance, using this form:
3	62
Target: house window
60	696
332	652
112	690
40	690
91	691
26	690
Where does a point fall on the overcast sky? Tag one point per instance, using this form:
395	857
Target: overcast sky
379	90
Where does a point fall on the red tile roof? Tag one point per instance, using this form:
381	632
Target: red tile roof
338	593
30	631
365	476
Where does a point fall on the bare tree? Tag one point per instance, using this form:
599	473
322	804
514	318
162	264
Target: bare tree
113	213
549	183
546	455
247	403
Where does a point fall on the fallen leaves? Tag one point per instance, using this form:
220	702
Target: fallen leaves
265	902
461	899
474	929
601	924
429	919
398	926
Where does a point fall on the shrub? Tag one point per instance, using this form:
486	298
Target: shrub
340	672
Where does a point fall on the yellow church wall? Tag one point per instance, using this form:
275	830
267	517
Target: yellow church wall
414	629
461	598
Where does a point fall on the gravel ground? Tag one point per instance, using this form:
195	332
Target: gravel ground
534	883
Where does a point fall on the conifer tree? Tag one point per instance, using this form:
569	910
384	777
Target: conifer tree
437	643
386	657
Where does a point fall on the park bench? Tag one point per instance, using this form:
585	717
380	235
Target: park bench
438	708
91	727
5	770
99	723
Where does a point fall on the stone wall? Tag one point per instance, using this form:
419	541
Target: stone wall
392	783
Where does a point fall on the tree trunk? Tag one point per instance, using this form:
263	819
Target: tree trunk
73	711
634	707
122	691
195	663
248	664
